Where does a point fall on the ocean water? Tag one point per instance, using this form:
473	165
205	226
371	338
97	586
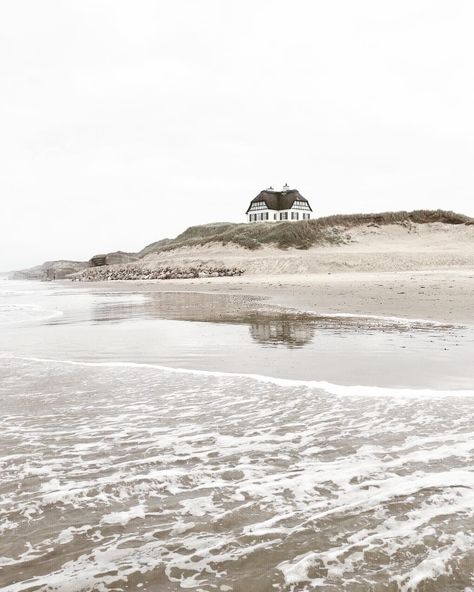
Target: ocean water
174	442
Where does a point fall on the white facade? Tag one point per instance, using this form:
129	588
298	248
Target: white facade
266	215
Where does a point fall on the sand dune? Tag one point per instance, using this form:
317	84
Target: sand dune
370	248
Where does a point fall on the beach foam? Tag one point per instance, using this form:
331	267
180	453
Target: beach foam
189	480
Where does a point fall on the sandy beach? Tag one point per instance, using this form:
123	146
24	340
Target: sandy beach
414	271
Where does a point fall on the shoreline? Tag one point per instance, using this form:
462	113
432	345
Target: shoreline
246	316
441	296
331	388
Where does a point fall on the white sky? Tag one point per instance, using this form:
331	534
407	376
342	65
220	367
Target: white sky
123	122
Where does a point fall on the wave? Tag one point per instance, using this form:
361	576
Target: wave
329	387
381	318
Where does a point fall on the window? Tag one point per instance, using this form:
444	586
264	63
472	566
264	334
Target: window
266	215
297	216
274	216
284	216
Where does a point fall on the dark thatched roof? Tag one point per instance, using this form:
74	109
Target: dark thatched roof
279	200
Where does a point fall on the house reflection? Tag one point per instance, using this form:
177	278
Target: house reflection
268	326
292	333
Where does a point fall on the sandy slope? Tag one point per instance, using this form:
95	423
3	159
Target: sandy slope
372	248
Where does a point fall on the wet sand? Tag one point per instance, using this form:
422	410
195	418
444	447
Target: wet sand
442	296
239	334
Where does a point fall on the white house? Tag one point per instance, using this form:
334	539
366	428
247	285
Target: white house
273	205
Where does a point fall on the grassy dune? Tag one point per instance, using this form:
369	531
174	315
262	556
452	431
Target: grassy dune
299	235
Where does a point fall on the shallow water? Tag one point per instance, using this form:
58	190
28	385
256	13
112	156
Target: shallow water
123	476
232	334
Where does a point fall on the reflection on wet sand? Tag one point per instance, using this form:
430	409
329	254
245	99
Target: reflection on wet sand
268	325
232	333
179	306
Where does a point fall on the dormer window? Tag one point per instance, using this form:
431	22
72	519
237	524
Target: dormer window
259	205
301	205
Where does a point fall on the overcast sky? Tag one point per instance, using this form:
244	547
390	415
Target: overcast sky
123	122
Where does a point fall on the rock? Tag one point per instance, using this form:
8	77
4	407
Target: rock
134	272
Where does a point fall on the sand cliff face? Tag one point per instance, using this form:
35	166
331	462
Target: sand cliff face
50	270
62	269
366	246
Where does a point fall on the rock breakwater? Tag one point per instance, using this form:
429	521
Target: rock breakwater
135	272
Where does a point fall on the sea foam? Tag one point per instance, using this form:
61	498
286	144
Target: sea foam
189	480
